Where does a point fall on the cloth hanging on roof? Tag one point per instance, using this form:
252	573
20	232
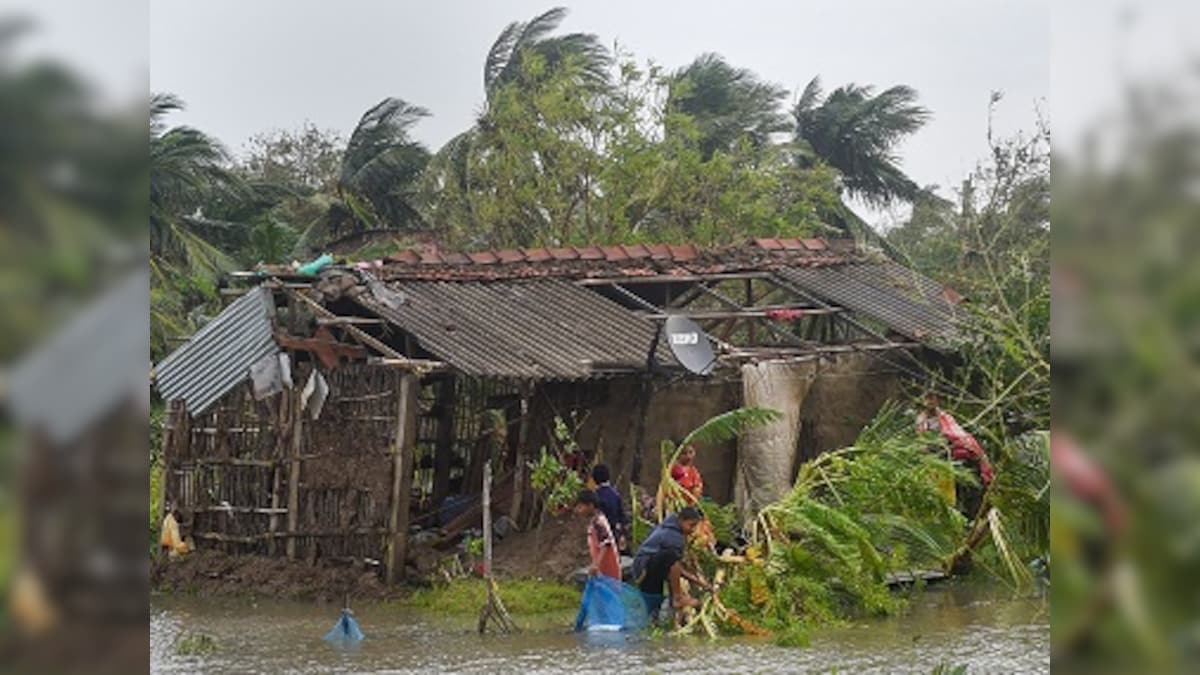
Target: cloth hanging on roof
271	374
785	314
315	391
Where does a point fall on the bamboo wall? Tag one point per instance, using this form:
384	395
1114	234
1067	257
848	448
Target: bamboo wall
263	477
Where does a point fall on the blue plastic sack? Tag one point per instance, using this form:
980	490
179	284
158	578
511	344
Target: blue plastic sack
313	266
345	631
610	605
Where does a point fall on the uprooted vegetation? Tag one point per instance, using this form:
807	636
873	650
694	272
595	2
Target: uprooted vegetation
824	552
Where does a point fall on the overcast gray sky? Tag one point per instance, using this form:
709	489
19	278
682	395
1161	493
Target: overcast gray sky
245	67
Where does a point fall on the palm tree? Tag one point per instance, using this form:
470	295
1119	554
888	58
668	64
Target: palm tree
728	104
856	131
521	39
377	181
449	180
188	169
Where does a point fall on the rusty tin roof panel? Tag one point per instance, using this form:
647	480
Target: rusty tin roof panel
902	299
545	329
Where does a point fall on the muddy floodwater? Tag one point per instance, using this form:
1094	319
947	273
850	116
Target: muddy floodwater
985	629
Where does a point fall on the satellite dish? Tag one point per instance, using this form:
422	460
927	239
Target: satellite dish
690	345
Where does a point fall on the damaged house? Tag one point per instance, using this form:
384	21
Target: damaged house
328	416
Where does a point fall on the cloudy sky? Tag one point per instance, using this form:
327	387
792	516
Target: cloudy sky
244	67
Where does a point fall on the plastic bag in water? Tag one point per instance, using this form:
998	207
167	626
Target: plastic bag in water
610	605
345	631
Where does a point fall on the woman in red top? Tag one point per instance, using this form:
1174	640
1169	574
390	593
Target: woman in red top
602	545
684	472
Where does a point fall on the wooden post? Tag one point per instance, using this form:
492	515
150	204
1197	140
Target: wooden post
444	445
276	497
402	475
519	464
173	429
293	504
487	519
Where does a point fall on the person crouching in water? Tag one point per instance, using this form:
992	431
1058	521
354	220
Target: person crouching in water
659	562
602	545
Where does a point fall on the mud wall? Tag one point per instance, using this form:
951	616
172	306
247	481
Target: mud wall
846	393
610	410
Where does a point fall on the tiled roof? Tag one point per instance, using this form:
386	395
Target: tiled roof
575	262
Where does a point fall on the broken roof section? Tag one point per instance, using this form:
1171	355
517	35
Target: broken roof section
218	357
523	329
833	271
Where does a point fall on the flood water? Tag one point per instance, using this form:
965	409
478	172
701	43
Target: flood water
952	624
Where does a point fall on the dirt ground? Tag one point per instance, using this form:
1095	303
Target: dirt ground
553	553
214	573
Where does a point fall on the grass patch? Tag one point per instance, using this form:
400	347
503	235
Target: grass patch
195	644
522	597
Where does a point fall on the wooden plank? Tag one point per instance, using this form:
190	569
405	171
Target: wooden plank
348	320
519	464
402	470
276	498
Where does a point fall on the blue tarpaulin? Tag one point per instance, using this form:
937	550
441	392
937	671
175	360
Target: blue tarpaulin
345	631
610	605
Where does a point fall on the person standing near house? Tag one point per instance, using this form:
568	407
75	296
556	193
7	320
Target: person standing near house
684	472
963	448
612	506
602	544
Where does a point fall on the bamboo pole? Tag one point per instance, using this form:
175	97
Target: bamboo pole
519	464
487	519
293	507
402	470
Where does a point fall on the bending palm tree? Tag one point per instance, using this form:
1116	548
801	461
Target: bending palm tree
728	104
187	169
449	176
856	131
377	181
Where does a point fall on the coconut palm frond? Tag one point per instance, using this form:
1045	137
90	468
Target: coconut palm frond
729	425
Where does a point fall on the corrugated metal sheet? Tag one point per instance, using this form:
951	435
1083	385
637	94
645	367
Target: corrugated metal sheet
536	329
218	357
902	299
89	367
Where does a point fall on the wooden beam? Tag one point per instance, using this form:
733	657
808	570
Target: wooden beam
348	320
402	475
671	278
750	313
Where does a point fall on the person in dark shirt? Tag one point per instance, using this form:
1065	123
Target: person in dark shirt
659	561
612	506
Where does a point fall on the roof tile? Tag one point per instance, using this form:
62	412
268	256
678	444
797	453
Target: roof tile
456	258
684	252
636	251
814	244
431	258
510	256
659	251
768	244
405	256
791	244
564	253
590	253
536	254
613	253
483	258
